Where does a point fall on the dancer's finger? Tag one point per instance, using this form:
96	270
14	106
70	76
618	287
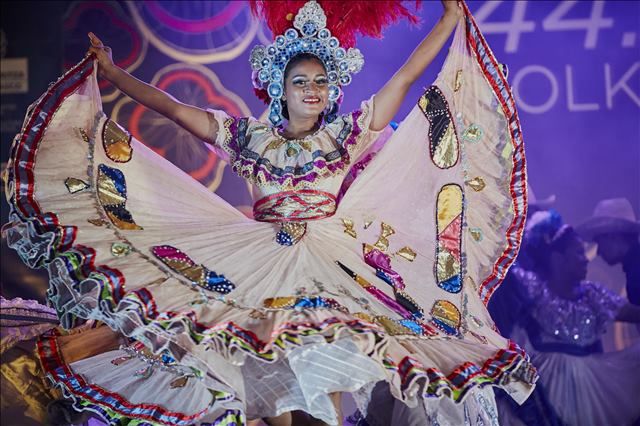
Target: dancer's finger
95	41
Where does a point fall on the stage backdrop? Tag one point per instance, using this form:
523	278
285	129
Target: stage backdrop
574	67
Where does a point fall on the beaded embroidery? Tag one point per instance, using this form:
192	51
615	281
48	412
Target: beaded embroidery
302	302
291	233
446	317
197	274
293	145
112	194
295	206
116	142
443	141
257	169
449	219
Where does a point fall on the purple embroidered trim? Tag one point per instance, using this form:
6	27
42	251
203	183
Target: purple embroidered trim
250	165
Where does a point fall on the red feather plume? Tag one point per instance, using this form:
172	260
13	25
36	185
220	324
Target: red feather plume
345	19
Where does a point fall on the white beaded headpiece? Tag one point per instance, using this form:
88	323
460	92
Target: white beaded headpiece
309	35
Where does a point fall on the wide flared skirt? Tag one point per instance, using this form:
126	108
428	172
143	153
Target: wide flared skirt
223	322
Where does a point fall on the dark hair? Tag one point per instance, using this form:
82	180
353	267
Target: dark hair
292	63
541	254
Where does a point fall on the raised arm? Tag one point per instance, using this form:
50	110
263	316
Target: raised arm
193	119
388	100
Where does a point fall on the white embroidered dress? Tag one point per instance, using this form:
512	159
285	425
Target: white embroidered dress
237	317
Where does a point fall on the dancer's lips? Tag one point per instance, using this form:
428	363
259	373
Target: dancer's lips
311	100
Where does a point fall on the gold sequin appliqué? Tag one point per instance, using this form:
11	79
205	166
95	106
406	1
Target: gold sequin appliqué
407	253
112	194
383	240
458	82
477	183
449	218
446	316
116	142
476	234
75	185
349	227
444	146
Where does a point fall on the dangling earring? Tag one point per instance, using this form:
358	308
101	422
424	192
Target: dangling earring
332	112
275	112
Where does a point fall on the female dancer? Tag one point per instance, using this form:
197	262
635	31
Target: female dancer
562	323
217	317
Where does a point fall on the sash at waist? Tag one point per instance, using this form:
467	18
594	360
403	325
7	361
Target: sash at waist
295	206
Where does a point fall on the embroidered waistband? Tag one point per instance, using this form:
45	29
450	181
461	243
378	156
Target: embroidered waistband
295	206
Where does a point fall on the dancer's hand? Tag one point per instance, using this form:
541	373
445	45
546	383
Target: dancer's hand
103	55
451	7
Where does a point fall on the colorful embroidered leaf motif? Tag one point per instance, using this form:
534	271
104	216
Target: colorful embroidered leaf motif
116	142
112	193
392	327
403	326
197	274
75	185
446	317
449	239
444	146
303	302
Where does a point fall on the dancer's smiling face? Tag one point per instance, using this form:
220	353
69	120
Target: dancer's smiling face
306	88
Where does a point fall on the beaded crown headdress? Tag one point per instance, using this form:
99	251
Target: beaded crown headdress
311	34
308	35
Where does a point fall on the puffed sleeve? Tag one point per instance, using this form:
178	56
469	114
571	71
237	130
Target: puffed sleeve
223	138
233	134
606	303
352	130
